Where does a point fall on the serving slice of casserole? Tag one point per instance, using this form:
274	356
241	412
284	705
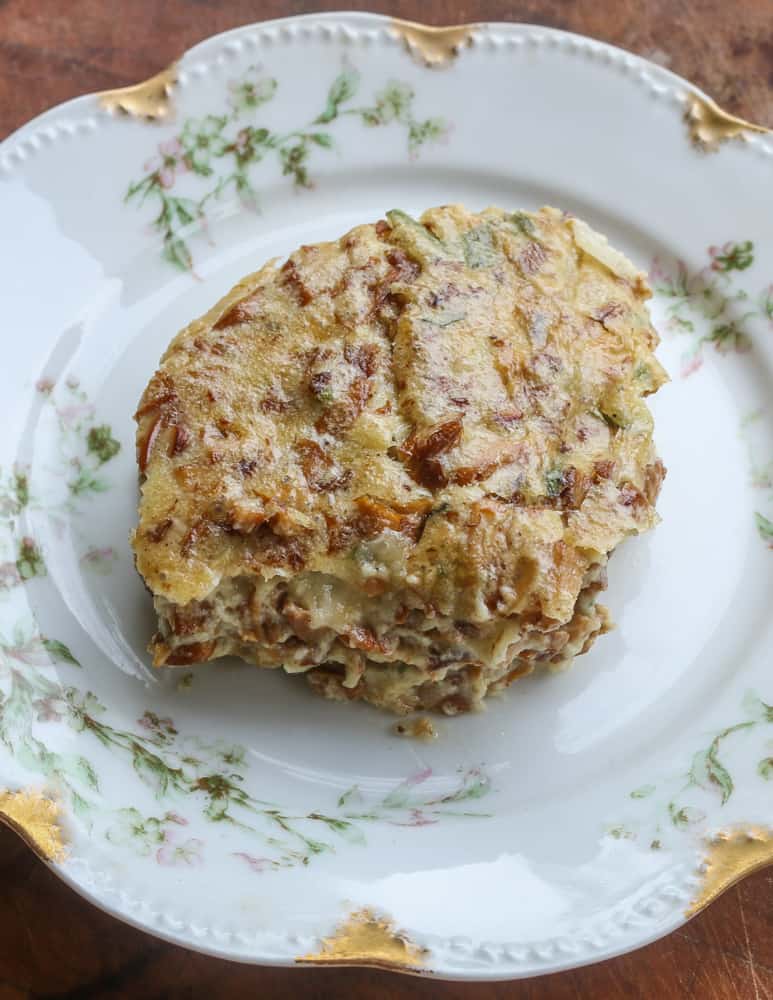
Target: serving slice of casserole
399	461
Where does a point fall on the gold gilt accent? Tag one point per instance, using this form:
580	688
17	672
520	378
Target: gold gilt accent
434	46
150	99
365	939
731	856
35	818
709	125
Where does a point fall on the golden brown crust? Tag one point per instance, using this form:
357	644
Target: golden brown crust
440	419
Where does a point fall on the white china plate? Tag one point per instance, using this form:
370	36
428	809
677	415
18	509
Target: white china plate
236	813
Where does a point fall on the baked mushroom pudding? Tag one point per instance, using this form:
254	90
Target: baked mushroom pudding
398	462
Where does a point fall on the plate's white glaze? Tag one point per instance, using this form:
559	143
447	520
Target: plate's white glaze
235	812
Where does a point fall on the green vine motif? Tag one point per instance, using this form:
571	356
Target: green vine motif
223	150
710	297
708	772
85	447
209	776
28	698
393	104
761	477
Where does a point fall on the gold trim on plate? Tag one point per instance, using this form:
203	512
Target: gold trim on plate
35	817
710	126
434	46
731	856
366	939
150	99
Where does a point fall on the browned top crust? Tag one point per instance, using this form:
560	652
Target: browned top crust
453	406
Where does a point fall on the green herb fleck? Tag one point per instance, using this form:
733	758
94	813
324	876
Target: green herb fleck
554	482
424	239
523	223
443	319
479	249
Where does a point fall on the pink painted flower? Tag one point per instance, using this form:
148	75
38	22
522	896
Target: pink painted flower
169	162
691	365
49	709
44	385
419	777
75	412
416	818
173	855
9	575
242	142
100	560
173	817
258	865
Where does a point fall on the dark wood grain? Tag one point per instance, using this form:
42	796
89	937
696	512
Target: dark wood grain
52	943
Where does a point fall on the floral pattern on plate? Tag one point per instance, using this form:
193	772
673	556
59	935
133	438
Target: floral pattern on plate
704	304
222	150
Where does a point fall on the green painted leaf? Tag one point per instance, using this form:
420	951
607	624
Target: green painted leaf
350	796
764	527
100	442
151	770
344	828
621	832
184	213
475	785
643	792
322	139
765	768
684	816
176	252
344	87
30	562
734	256
397	798
81	806
719	774
87	773
21	489
755	707
316	846
59	651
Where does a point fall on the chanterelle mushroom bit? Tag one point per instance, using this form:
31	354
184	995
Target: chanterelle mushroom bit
398	463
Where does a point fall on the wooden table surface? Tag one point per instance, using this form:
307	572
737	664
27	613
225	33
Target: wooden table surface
52	943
